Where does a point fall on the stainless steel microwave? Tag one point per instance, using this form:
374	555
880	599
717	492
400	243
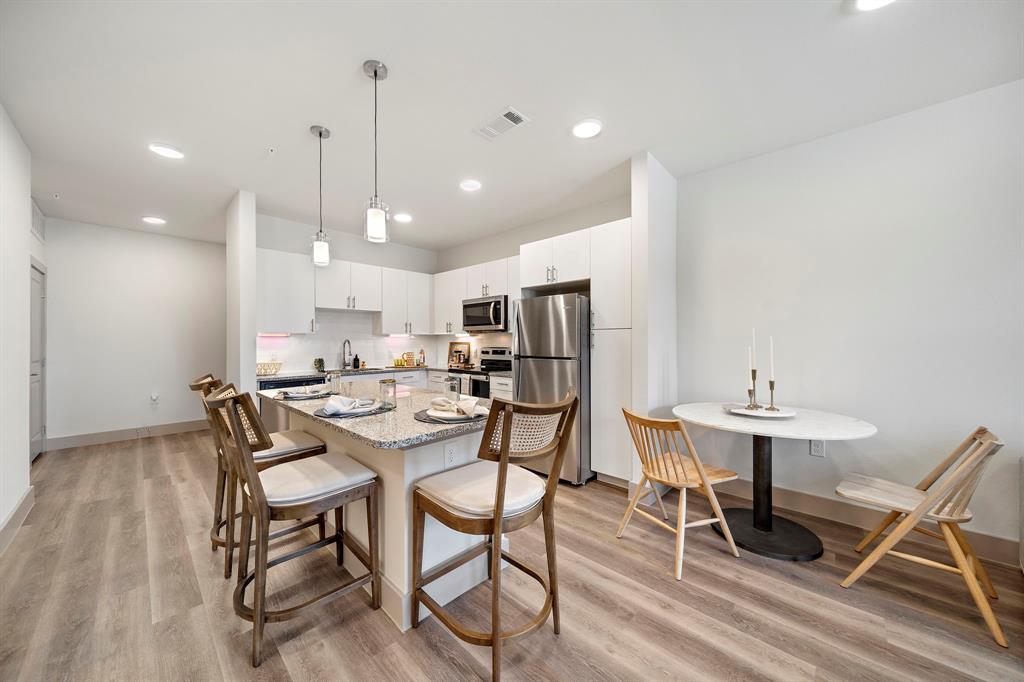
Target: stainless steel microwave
487	314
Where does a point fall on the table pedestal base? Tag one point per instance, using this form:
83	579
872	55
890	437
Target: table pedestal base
787	540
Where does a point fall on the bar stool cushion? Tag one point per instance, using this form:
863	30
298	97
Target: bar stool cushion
309	479
469	490
287	443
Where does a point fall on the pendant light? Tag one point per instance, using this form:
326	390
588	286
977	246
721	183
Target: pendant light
321	246
376	210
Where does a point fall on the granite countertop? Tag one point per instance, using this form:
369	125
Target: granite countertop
344	372
395	430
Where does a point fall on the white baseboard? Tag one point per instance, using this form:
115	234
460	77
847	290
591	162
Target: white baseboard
102	437
17	517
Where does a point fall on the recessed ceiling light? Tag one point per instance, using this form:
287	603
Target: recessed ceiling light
166	151
403	217
153	220
470	185
868	5
588	127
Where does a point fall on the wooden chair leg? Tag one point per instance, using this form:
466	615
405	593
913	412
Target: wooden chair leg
904	527
979	568
664	514
321	525
889	519
549	551
496	610
244	541
490	552
967	572
709	492
631	506
259	596
339	527
218	503
372	523
680	533
418	520
229	530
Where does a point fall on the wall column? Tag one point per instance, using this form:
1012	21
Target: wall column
240	271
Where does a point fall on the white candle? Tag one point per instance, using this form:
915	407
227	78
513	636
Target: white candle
750	367
771	358
753	348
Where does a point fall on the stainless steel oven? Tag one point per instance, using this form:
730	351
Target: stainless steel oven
487	314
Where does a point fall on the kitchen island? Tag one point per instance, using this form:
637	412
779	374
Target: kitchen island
401	451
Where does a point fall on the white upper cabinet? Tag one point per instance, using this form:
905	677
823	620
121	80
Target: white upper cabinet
514	292
571	258
487	279
475	279
610	278
449	291
285	296
348	286
366	287
565	258
535	263
405	302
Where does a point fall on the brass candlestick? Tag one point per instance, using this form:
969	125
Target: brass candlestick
752	392
771	391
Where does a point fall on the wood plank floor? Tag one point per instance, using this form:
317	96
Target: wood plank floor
112	578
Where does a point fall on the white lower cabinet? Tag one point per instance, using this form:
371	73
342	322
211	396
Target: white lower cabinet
415	378
611	451
284	292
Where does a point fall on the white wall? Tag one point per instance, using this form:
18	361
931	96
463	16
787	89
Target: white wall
15	230
240	291
129	313
288	235
505	244
887	263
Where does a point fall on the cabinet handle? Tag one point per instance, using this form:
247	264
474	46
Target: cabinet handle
348	301
353	301
554	274
547	277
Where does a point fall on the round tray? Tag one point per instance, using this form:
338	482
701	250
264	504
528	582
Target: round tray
780	413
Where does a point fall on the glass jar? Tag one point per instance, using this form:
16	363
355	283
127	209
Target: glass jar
451	388
388	393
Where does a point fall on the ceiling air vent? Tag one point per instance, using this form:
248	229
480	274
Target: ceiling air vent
505	121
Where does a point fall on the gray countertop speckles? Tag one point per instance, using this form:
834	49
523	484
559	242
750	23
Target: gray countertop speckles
344	372
395	430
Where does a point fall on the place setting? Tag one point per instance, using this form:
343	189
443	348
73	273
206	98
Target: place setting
445	410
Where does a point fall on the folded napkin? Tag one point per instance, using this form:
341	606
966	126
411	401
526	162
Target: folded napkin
339	404
466	406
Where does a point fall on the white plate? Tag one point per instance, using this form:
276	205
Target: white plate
762	413
359	410
453	417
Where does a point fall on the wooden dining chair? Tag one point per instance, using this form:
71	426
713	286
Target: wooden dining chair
491	497
941	501
292	490
286	446
659	443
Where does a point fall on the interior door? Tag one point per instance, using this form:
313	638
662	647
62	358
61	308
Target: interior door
37	368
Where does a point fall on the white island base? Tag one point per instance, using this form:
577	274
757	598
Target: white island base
398	469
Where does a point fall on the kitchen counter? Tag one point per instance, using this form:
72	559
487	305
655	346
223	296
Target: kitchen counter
397	429
344	372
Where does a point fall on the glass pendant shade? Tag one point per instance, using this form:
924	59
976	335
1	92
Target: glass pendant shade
321	250
376	221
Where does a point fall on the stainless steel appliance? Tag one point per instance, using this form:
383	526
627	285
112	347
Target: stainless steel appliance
487	314
552	355
275	418
477	382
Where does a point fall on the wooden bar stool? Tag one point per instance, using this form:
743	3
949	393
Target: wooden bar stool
291	491
491	497
659	443
287	446
944	503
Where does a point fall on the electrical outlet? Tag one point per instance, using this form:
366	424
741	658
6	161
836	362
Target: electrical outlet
449	455
817	448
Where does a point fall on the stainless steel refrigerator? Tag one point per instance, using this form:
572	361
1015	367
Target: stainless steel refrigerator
552	355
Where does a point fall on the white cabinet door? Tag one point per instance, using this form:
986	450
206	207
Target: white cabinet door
438	322
414	378
535	263
611	450
366	287
571	256
394	301
514	292
419	301
475	281
496	277
333	285
457	292
286	297
610	277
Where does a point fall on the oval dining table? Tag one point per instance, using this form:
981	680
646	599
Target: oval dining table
758	530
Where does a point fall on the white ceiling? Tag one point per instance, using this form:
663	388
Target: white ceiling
700	84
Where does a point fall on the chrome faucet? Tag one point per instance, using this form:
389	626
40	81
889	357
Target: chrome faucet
346	354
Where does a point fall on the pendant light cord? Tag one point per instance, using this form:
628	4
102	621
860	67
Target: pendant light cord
375	132
321	136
